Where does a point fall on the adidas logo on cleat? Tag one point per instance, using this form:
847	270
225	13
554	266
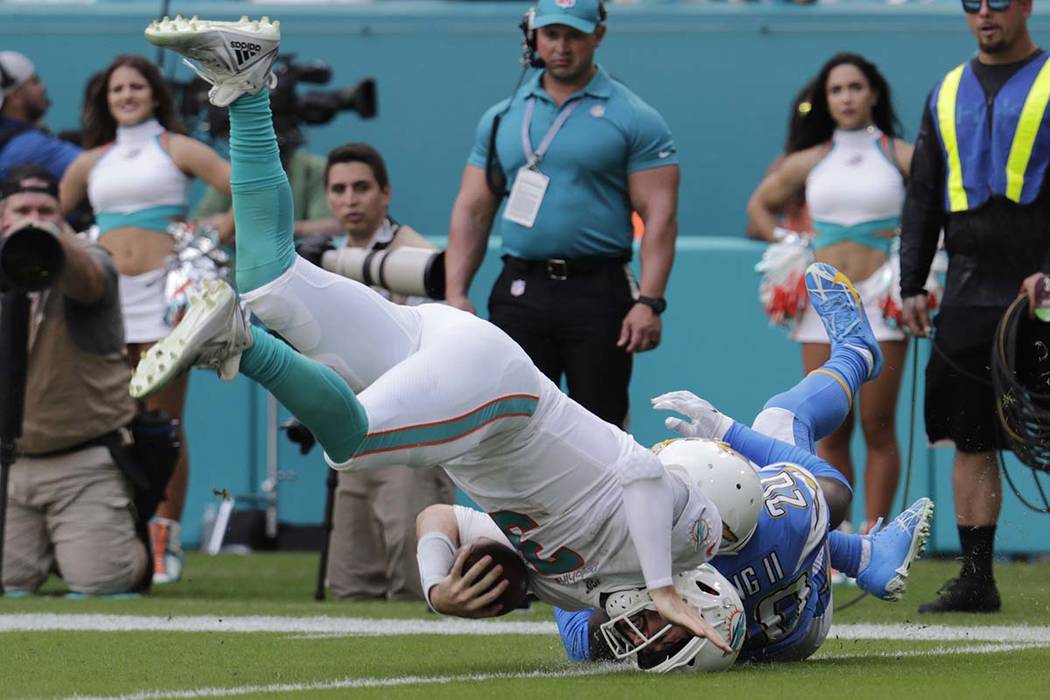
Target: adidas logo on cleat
244	51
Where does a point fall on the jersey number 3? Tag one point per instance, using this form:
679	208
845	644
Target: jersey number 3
514	525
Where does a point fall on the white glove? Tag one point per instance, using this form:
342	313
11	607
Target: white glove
706	420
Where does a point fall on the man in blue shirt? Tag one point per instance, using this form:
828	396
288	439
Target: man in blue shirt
23	103
579	152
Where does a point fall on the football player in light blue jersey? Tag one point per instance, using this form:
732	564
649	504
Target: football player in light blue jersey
778	554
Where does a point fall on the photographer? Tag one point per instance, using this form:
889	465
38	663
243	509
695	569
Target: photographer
373	545
70	508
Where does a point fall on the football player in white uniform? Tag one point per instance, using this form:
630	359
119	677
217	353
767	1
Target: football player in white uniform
381	384
776	543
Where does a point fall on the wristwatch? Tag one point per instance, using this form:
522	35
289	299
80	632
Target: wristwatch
657	304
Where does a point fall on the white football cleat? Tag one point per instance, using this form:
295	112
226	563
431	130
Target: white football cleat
235	57
213	334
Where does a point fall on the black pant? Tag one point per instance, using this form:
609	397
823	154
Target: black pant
570	326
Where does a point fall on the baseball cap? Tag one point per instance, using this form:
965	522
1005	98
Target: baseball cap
15	69
583	15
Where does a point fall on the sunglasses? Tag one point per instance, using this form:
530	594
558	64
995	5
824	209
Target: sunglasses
974	6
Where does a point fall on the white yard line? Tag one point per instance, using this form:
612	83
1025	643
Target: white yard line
326	626
39	622
347	683
934	651
991	640
576	672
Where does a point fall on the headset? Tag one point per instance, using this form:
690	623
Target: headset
528	32
494	176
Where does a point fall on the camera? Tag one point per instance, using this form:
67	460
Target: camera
418	272
31	258
291	110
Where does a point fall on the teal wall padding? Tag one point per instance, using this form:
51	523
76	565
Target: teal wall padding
721	74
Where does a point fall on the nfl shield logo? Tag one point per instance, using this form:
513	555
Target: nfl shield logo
565	4
517	288
598	111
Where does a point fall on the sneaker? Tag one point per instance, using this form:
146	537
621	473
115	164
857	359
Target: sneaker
893	549
213	334
165	536
838	304
965	594
235	57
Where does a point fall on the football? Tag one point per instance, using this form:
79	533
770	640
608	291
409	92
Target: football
513	571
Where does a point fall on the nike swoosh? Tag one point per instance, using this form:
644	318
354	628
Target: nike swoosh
664	154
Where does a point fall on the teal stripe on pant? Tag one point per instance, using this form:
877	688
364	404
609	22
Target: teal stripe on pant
314	393
438	433
262	199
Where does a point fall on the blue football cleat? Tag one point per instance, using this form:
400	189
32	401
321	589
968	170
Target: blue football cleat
893	549
838	304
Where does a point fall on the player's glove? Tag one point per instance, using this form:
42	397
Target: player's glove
705	420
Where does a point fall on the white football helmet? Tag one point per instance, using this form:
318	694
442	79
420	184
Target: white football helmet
726	477
704	589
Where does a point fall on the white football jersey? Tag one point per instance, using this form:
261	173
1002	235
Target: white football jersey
546	470
554	490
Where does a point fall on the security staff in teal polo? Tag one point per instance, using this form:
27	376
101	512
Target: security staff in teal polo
979	172
578	152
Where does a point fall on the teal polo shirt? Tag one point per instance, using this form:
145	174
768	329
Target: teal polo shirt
586	210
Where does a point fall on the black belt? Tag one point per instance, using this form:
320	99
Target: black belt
561	268
101	441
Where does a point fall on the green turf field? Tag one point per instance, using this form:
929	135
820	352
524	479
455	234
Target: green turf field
248	626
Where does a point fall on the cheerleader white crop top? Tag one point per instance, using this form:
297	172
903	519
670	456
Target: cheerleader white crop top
856	191
136	183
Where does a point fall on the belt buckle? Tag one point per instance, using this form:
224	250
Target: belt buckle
558	269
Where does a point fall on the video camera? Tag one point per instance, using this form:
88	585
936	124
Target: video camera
31	258
290	109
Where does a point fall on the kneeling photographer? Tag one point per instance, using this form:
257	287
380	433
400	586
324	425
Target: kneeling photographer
71	509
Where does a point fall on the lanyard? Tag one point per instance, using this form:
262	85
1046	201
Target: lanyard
534	157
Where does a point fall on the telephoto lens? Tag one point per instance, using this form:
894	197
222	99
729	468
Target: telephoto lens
31	258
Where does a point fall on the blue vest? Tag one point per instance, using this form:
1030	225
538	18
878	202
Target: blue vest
1006	158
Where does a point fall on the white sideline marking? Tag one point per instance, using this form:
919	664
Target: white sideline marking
327	626
944	633
999	638
39	622
577	672
934	651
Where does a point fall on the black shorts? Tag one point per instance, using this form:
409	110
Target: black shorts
958	407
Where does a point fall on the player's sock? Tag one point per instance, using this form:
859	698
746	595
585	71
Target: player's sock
314	393
764	450
574	628
262	198
850	553
821	401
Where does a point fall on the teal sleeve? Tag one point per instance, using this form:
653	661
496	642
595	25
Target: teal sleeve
651	143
